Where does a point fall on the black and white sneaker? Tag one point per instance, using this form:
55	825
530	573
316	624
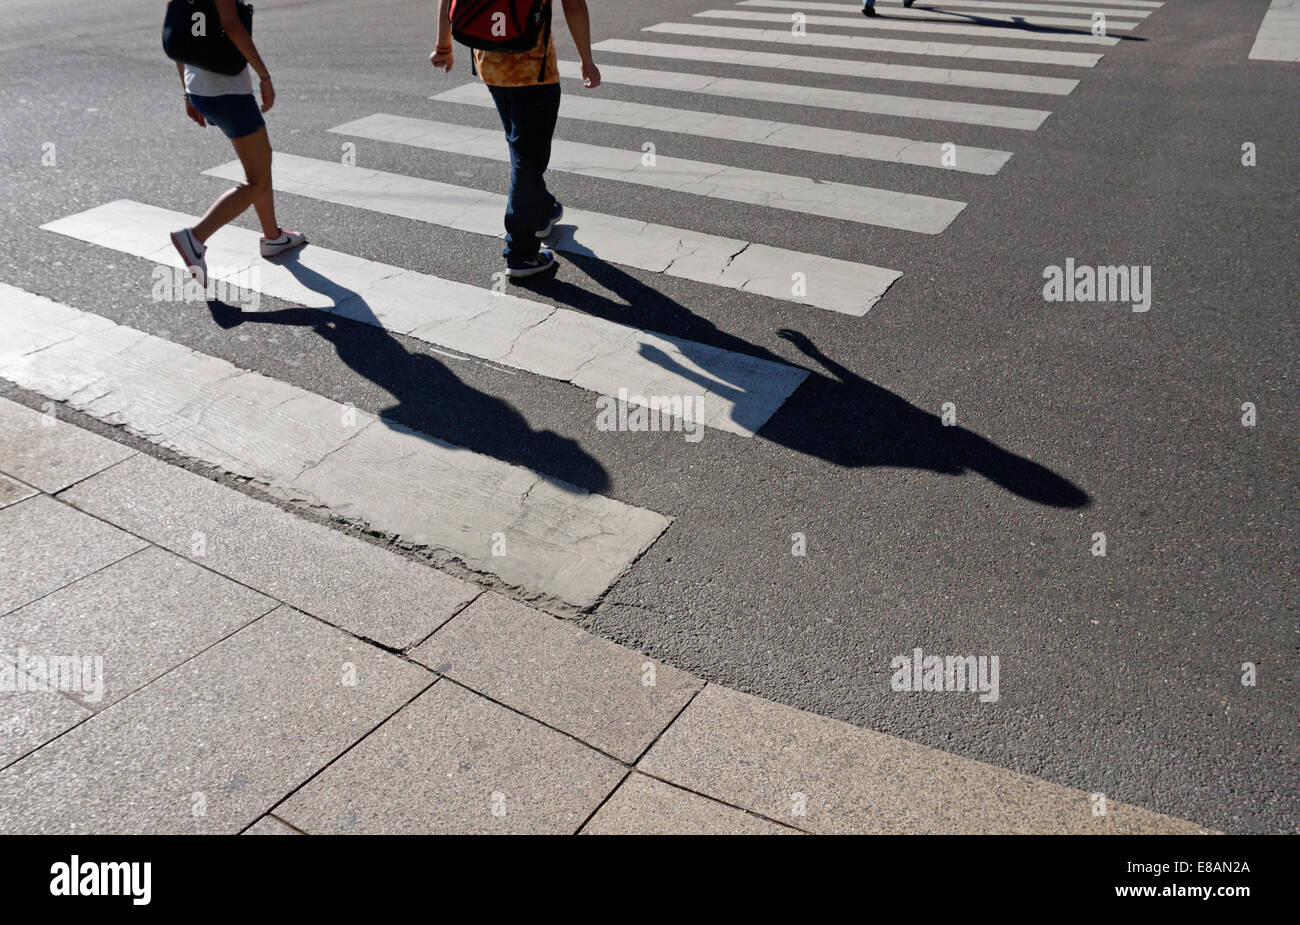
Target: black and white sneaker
287	241
192	250
540	262
545	230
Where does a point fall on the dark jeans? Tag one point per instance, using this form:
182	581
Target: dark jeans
528	115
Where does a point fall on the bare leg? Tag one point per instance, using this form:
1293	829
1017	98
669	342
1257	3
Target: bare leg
255	155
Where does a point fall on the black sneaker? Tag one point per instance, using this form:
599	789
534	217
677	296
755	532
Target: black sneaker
908	3
869	8
545	230
540	262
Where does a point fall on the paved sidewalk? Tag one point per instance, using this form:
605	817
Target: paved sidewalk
243	669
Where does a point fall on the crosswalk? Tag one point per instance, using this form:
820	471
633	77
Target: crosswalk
839	142
864	204
528	530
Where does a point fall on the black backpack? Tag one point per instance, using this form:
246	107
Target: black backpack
192	34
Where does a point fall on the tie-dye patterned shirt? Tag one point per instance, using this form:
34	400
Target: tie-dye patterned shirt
519	68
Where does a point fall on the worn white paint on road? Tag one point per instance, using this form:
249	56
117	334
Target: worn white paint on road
739	392
559	540
835	285
1279	33
805	195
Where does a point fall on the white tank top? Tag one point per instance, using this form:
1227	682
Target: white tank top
200	82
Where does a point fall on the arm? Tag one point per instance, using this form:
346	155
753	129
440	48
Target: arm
579	20
239	36
189	107
442	56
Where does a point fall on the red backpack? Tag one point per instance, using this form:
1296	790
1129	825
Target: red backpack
500	25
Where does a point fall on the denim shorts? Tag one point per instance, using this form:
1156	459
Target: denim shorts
236	114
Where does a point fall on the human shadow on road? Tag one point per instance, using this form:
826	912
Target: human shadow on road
842	418
1018	23
431	399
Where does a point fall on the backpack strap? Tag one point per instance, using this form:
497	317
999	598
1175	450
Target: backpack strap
546	43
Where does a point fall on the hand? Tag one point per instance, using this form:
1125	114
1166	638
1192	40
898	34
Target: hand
798	338
590	75
194	113
442	60
268	94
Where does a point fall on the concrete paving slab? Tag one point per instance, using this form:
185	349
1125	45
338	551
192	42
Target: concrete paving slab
826	776
612	698
356	586
44	545
560	540
214	744
30	717
137	619
645	806
50	453
453	762
564	542
12	491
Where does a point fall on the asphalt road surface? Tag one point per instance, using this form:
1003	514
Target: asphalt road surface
1120	674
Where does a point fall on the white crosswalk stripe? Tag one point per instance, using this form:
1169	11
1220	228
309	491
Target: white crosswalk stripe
936	14
844	67
739	392
1278	38
909	107
1104	6
1069	4
822	40
1054	6
863	204
754	131
559	540
831	284
863	22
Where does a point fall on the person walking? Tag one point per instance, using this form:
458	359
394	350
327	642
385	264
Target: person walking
514	54
869	6
228	103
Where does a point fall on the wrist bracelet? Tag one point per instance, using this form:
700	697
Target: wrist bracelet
442	49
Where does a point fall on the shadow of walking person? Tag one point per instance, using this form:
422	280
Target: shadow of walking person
431	399
890	431
842	418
